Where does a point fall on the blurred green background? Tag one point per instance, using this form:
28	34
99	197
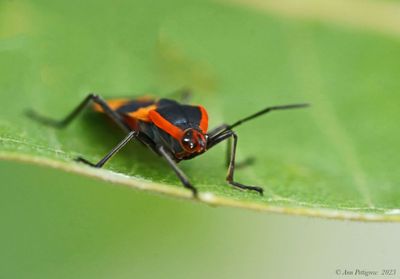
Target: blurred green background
58	225
338	155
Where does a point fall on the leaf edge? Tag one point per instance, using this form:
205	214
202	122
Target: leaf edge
208	198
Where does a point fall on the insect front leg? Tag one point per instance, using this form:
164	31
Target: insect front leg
233	138
215	137
185	181
72	115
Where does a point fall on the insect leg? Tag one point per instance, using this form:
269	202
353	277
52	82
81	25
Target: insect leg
214	138
178	171
64	122
229	135
242	164
186	96
113	151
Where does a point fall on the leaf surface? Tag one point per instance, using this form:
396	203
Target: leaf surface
337	159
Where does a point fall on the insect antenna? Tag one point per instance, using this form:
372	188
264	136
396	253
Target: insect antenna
265	111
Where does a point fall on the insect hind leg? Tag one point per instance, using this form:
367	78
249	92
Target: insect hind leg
74	113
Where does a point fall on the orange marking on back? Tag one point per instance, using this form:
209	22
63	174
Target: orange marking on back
142	113
204	120
114	104
145	98
164	125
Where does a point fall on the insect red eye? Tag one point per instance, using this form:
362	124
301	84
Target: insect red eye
193	141
189	144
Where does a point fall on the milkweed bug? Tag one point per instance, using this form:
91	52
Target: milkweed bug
173	130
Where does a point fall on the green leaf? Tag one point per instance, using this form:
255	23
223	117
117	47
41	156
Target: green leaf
337	159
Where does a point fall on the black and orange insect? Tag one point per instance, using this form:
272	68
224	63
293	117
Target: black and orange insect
173	130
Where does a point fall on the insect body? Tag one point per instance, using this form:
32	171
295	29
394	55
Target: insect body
182	129
172	130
